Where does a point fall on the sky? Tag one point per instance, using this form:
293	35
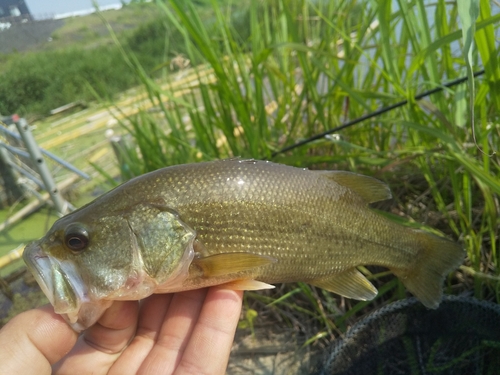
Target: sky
45	9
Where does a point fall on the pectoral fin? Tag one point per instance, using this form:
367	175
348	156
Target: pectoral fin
350	284
247	285
228	263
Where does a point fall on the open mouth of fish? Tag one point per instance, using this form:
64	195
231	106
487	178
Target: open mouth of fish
64	288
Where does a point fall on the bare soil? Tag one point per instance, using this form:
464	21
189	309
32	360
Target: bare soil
21	37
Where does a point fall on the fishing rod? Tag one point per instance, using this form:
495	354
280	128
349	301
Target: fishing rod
375	113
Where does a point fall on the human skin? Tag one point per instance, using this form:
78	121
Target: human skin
183	333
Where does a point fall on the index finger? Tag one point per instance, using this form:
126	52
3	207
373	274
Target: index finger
212	338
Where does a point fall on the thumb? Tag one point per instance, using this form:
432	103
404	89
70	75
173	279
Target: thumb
34	340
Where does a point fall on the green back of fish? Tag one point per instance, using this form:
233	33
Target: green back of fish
313	225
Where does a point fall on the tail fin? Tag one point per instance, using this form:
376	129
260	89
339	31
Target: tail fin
438	257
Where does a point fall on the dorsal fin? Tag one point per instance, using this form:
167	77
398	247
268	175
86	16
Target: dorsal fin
369	188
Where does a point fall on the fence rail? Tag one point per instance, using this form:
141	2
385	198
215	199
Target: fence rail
17	151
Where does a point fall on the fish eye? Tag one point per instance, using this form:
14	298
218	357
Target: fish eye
76	237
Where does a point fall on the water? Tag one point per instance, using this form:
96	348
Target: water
26	230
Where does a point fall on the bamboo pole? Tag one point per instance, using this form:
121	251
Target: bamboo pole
12	256
100	120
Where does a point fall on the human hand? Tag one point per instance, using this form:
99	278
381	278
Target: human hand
182	333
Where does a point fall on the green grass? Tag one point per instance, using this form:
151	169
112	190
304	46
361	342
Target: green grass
310	66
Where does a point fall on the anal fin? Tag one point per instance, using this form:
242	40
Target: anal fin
228	263
350	284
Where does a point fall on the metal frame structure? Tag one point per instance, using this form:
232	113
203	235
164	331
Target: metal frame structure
36	154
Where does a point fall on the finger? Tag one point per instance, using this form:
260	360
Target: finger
33	340
100	346
175	332
115	328
212	338
151	316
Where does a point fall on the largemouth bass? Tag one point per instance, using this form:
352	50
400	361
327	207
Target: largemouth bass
244	224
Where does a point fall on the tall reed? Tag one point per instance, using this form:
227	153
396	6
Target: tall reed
308	66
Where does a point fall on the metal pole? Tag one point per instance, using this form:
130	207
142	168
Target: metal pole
12	189
27	174
14	150
37	158
63	162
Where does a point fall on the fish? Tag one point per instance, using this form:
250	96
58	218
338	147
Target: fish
242	224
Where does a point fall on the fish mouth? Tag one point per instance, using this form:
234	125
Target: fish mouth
40	265
62	284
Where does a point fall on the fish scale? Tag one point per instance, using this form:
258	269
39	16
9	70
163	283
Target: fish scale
271	203
238	223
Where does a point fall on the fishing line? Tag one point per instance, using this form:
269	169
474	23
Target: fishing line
373	114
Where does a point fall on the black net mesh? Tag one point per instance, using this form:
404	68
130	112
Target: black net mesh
462	336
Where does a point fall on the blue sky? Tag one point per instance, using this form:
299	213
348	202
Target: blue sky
44	8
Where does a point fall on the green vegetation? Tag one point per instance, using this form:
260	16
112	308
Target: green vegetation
81	63
309	66
44	81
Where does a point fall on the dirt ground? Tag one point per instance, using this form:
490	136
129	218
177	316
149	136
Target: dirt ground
272	350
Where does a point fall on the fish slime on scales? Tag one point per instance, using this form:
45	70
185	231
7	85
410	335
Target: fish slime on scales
243	224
